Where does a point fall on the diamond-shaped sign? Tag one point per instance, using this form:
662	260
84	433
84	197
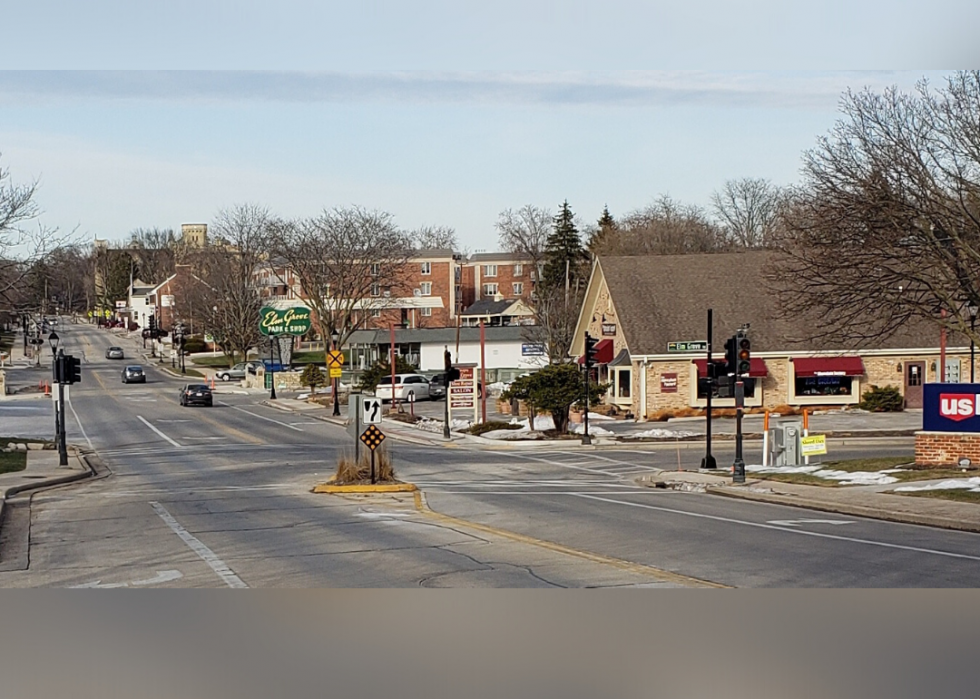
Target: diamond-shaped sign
372	437
335	358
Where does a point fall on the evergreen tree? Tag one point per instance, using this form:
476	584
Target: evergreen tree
564	254
606	227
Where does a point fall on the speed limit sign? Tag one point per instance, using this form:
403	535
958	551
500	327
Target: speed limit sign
371	411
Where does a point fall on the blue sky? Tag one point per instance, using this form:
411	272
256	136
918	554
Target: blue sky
437	112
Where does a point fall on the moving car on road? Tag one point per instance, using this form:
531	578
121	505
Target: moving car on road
114	353
133	374
405	385
196	394
238	371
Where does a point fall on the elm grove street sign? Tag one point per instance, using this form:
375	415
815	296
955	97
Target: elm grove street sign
293	321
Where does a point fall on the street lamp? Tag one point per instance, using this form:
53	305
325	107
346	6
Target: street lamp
335	338
972	308
53	340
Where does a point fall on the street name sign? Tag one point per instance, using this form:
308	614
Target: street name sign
688	346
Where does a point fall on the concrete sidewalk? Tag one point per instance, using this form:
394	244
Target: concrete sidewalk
43	471
872	502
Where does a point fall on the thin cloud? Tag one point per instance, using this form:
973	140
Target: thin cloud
609	89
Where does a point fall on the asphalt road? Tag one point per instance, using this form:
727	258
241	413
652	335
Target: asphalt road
221	497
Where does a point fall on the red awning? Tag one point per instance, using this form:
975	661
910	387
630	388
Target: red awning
757	366
603	352
828	366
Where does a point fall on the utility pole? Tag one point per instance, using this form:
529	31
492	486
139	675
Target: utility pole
708	461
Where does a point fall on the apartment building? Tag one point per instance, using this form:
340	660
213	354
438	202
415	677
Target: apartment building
502	275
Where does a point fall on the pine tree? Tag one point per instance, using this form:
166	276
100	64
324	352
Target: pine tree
565	259
606	227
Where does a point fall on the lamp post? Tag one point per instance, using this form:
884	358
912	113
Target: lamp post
972	308
59	409
335	339
272	365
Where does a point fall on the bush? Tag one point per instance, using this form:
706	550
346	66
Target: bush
351	473
313	377
882	400
193	345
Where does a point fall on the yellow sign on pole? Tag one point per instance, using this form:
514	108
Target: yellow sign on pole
335	372
813	445
335	358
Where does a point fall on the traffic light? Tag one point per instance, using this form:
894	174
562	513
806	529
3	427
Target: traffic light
731	355
74	369
57	369
744	350
590	351
452	373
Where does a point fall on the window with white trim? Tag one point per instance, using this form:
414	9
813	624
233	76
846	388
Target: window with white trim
375	289
426	312
376	313
426	268
489	270
518	270
518	288
489	289
426	288
375	268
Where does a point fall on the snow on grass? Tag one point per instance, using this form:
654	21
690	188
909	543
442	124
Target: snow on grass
511	435
842	477
541	422
970	484
430	425
594	430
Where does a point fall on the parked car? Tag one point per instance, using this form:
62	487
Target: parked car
238	371
405	385
437	388
114	353
196	394
133	374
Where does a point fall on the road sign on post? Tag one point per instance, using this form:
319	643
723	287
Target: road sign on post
372	437
371	411
335	358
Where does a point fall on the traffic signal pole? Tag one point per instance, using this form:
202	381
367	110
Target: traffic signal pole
708	461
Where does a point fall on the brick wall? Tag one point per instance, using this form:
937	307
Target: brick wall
944	449
657	400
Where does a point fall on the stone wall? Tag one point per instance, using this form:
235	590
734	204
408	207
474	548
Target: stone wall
656	399
944	449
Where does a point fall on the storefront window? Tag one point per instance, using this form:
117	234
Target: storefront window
824	386
749	383
625	379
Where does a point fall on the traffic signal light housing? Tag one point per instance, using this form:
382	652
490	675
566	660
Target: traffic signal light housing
452	373
731	355
590	351
74	369
744	347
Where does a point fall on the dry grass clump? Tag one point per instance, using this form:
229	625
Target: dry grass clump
351	473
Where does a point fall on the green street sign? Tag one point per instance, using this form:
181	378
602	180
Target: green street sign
689	346
293	321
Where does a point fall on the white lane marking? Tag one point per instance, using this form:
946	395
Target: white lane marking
195	544
84	434
147	423
797	522
162	576
260	417
801	532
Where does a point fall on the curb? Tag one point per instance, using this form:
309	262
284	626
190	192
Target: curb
378	488
15	490
869	512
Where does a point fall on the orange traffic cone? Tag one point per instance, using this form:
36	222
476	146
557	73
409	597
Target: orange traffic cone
212	382
47	388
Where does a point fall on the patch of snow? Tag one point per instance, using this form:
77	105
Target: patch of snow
660	433
597	416
970	484
843	477
431	425
541	422
594	430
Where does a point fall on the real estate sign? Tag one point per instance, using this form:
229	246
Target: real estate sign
292	321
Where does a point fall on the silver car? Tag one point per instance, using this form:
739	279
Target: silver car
114	353
237	372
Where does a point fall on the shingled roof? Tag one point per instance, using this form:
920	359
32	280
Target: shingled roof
664	298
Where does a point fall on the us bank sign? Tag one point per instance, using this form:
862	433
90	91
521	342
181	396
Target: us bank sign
951	407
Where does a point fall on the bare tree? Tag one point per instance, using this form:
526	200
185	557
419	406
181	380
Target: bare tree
885	229
555	316
20	246
666	227
434	238
525	232
347	262
749	211
219	290
155	253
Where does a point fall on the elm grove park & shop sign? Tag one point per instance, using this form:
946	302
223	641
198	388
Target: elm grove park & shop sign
292	321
